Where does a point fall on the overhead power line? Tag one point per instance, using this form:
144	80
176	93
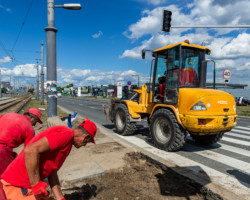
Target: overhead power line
4	49
22	25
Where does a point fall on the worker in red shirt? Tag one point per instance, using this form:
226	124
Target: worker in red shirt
162	82
15	130
42	158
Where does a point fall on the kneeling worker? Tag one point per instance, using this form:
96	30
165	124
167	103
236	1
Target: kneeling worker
15	130
42	158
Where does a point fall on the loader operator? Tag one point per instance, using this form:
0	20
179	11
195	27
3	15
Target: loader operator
15	130
42	158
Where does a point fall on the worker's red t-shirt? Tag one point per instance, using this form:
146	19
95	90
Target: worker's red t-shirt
15	129
60	140
161	91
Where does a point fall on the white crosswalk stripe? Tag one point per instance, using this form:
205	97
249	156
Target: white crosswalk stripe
237	135
236	141
238	164
242	127
235	150
240	131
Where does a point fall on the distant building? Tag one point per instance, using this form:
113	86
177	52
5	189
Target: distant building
6	84
45	86
29	87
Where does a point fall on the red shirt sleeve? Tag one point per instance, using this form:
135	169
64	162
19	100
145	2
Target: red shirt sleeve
60	138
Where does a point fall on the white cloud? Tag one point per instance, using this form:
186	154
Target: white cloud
153	2
97	35
92	76
156	2
6	9
6	59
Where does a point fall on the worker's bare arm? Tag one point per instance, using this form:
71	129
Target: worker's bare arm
32	155
55	185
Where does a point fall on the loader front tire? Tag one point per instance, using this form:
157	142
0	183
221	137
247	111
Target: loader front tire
207	139
123	125
165	131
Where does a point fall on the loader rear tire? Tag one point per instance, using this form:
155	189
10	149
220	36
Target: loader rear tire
165	131
207	139
121	119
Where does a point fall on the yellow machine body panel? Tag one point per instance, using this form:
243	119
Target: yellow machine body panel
218	113
182	44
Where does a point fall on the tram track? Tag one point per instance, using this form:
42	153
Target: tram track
13	104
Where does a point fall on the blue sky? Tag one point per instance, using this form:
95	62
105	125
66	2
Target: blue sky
102	42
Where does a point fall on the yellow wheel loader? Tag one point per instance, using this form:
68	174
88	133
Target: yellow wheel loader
177	102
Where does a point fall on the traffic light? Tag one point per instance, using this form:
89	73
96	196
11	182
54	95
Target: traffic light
143	53
166	21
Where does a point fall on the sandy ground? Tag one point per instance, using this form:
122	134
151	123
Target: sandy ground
140	178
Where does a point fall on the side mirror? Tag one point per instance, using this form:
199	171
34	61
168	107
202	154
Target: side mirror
143	53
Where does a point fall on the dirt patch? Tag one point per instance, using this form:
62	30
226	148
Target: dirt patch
105	148
141	178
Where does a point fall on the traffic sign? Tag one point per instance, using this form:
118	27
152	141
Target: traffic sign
129	83
227	74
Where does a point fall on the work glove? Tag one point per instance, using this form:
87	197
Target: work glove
40	189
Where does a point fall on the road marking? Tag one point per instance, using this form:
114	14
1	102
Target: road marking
237	135
242	127
236	141
93	107
80	104
235	163
234	149
239	131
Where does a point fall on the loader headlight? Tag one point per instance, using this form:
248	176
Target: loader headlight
199	106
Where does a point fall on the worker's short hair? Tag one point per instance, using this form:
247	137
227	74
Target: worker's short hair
31	115
162	79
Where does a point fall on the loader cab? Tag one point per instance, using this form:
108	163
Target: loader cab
178	66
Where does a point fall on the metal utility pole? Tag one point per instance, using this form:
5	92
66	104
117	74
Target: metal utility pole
51	55
0	84
42	75
138	80
37	81
51	61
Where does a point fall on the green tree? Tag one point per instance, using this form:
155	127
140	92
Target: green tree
4	90
70	85
59	89
31	90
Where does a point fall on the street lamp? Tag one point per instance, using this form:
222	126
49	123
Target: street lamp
70	6
138	80
51	55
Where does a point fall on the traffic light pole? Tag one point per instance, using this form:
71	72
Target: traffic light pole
240	26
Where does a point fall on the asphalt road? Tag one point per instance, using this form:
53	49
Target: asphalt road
229	159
